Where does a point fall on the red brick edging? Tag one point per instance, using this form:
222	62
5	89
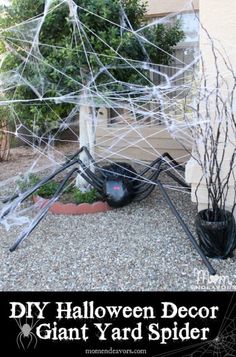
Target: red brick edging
72	208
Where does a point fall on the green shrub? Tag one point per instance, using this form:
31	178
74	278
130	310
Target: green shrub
50	188
46	191
85	197
26	183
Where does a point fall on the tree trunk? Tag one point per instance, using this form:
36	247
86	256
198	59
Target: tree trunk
4	141
87	118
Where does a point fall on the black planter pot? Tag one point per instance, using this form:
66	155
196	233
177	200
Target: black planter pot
217	239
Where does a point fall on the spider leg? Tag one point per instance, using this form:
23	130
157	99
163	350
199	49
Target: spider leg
10	198
43	212
152	164
29	192
91	175
20	340
18	323
72	160
34	324
93	161
178	180
93	182
185	228
89	155
36	341
98	182
174	165
145	179
160	161
77	153
85	149
148	190
30	337
18	199
145	189
172	161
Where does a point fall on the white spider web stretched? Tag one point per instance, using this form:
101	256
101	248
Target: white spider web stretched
137	115
223	344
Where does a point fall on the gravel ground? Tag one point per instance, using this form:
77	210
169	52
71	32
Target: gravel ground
140	247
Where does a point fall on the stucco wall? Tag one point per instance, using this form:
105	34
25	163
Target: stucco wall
160	7
219	19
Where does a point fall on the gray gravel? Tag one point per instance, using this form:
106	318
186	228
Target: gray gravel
140	247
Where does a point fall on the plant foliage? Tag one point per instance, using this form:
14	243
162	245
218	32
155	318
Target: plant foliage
49	189
65	55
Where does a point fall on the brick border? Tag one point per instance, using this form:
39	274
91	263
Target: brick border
72	208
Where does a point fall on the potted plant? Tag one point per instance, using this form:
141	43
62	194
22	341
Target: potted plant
212	125
215	225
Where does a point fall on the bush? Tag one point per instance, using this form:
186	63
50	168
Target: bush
26	183
49	189
85	197
46	191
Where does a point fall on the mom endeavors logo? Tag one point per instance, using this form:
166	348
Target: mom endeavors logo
217	282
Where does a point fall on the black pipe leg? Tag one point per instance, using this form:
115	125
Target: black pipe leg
30	191
210	268
43	212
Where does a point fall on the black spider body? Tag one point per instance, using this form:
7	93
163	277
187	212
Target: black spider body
119	184
119	169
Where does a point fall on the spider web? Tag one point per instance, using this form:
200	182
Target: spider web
223	344
148	111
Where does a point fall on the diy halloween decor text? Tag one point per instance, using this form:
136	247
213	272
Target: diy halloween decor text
164	323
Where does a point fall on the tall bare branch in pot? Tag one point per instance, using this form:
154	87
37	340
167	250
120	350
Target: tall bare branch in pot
214	137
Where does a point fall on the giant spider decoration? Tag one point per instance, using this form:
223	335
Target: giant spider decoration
118	184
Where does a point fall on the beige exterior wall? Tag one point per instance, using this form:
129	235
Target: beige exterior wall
218	17
160	7
142	144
